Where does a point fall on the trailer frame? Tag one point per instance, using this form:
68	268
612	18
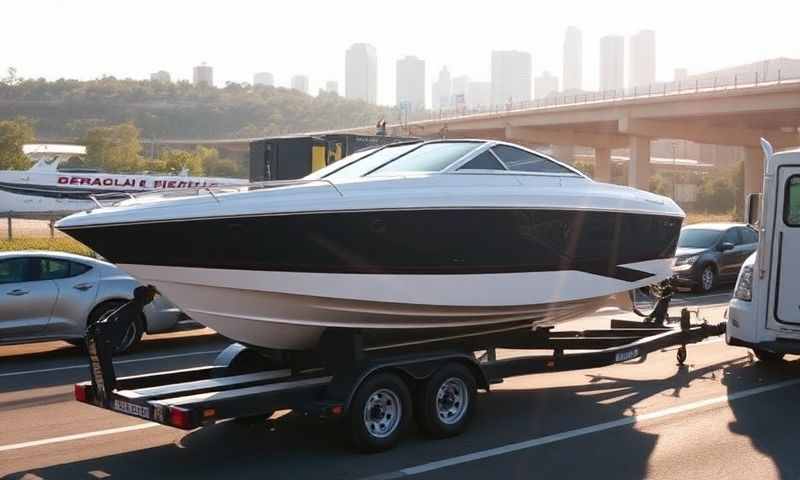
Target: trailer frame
247	382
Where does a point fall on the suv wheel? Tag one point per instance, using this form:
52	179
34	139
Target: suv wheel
707	279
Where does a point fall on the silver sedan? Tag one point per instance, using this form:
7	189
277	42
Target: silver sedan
54	296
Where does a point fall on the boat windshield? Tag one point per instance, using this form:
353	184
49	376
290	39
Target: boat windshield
430	157
698	238
342	163
371	162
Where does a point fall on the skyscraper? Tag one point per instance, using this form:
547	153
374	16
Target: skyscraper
511	77
361	73
545	84
411	83
160	76
479	94
642	70
332	86
203	75
300	82
458	91
440	93
264	79
612	62
573	59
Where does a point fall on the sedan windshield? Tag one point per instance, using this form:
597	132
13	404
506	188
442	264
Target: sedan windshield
698	238
430	157
371	162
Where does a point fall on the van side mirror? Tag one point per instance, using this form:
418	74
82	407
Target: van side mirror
725	246
753	210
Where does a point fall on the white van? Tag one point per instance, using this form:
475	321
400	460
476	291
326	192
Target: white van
764	314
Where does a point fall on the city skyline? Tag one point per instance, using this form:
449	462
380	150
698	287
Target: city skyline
238	45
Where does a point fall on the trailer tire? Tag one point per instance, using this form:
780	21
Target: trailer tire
379	412
446	401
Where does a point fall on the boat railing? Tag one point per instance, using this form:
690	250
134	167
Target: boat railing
113	199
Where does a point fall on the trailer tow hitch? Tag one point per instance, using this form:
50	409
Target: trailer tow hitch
104	334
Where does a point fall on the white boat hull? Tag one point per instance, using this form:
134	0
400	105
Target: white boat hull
290	310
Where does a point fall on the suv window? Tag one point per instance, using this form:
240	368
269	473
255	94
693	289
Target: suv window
522	161
748	235
484	161
791	207
14	270
731	236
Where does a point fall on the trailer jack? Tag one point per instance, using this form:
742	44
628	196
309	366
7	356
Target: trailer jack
104	334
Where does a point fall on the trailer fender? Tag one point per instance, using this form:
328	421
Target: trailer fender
238	359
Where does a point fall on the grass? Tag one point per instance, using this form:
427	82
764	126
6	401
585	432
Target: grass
60	244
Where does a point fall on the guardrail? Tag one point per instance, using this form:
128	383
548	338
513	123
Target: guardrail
662	89
11	217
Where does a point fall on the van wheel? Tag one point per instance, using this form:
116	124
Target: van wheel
446	401
379	413
135	330
707	279
767	356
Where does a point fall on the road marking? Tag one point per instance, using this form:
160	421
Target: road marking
557	437
77	436
118	362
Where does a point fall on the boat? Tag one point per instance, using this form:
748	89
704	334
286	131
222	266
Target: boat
49	189
408	243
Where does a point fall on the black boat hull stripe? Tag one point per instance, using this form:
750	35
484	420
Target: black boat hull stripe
431	241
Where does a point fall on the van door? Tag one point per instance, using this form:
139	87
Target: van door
784	286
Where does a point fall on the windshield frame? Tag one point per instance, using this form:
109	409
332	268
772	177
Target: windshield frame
455	167
457	161
345	164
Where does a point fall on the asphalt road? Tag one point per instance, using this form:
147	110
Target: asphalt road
723	415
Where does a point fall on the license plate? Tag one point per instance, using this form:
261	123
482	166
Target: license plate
626	355
131	409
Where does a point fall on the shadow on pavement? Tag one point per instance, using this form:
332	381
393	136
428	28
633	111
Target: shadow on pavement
770	420
69	356
294	446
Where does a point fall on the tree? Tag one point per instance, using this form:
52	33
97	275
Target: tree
114	149
13	135
178	160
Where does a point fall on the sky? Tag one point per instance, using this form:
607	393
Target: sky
86	39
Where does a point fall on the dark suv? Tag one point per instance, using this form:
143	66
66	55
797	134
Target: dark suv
711	253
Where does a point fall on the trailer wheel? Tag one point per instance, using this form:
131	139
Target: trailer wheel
446	401
379	412
767	356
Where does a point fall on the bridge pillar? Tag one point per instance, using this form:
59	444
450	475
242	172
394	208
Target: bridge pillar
565	153
639	163
602	164
753	170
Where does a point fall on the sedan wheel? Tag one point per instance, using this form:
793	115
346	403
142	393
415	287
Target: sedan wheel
132	335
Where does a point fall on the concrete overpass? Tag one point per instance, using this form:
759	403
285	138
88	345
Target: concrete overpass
737	115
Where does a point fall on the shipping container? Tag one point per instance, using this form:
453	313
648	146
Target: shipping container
287	158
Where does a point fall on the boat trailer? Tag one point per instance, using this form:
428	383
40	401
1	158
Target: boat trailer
369	389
